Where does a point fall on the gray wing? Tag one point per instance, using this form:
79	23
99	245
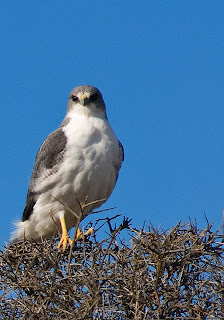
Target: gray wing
121	151
48	157
120	160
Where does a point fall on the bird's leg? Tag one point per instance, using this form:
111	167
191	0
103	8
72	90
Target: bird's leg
64	237
90	231
79	234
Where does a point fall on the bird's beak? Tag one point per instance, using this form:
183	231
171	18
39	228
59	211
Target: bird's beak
83	99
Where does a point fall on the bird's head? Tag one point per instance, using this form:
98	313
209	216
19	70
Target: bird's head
86	100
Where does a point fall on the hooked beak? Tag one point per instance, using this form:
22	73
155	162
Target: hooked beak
83	99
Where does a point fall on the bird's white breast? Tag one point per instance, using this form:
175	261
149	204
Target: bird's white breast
88	171
92	150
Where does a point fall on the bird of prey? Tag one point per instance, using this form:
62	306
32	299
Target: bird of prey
77	164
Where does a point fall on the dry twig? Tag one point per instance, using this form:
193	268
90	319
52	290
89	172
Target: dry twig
161	275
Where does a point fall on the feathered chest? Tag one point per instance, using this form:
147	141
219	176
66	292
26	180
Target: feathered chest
91	153
91	156
90	139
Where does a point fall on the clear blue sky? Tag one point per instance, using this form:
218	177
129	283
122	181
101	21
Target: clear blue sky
160	67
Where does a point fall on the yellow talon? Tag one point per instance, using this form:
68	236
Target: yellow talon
64	237
79	234
90	231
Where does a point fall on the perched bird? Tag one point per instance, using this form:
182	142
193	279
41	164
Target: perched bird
75	170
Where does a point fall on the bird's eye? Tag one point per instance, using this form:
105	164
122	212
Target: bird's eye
94	96
74	98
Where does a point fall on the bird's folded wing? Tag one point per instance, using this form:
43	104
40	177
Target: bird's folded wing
47	163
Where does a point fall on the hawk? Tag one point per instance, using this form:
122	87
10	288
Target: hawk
75	170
